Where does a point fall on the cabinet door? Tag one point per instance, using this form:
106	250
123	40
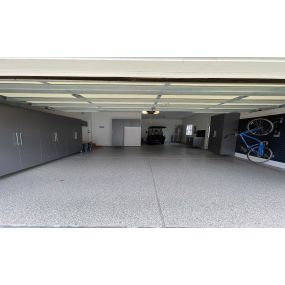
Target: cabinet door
48	137
216	133
9	150
75	137
62	145
30	138
118	132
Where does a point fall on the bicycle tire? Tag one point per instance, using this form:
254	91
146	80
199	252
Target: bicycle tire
256	159
260	127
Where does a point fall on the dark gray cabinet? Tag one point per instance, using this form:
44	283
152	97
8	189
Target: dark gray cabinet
118	132
74	136
29	138
48	137
222	139
10	160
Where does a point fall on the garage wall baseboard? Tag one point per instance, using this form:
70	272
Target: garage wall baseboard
272	163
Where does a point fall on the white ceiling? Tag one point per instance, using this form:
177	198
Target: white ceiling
98	95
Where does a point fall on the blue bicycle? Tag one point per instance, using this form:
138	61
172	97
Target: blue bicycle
257	150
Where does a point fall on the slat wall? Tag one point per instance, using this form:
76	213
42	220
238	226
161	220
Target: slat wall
277	144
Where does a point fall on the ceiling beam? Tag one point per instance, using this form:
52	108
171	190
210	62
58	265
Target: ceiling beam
151	79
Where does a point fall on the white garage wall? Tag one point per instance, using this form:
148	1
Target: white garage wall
276	111
170	125
201	121
102	125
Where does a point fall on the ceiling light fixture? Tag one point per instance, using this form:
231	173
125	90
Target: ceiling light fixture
119	96
36	95
104	83
19	82
151	112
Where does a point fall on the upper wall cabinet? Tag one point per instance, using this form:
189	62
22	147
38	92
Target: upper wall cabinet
29	138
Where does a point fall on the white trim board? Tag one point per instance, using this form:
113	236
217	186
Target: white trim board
269	163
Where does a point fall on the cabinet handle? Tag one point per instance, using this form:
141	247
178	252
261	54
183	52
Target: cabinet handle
21	139
17	139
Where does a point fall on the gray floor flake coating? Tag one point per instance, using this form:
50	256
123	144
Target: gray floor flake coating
152	186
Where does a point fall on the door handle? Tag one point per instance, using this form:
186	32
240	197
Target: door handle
17	139
21	139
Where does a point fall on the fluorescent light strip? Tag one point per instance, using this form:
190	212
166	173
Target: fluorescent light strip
231	108
122	103
123	107
187	103
265	98
228	84
58	102
254	104
209	97
19	82
119	96
104	83
35	95
180	108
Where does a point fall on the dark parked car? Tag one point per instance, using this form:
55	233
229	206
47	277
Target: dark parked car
155	135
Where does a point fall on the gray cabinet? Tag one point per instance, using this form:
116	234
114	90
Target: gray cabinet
222	138
118	132
74	136
29	138
62	131
48	137
10	160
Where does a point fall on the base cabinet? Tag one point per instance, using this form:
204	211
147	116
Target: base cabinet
29	138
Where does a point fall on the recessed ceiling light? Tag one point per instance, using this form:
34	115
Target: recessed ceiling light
19	82
264	98
209	97
119	96
36	95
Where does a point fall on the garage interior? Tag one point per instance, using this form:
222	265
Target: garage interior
74	152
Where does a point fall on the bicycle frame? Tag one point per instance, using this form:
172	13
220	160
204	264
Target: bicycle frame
261	145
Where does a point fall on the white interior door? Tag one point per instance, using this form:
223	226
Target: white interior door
132	136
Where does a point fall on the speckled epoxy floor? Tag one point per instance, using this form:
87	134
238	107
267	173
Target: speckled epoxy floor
152	186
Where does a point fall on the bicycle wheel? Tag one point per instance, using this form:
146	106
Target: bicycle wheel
253	156
260	127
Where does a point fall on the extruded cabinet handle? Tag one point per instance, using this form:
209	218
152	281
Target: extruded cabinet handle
17	139
21	139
